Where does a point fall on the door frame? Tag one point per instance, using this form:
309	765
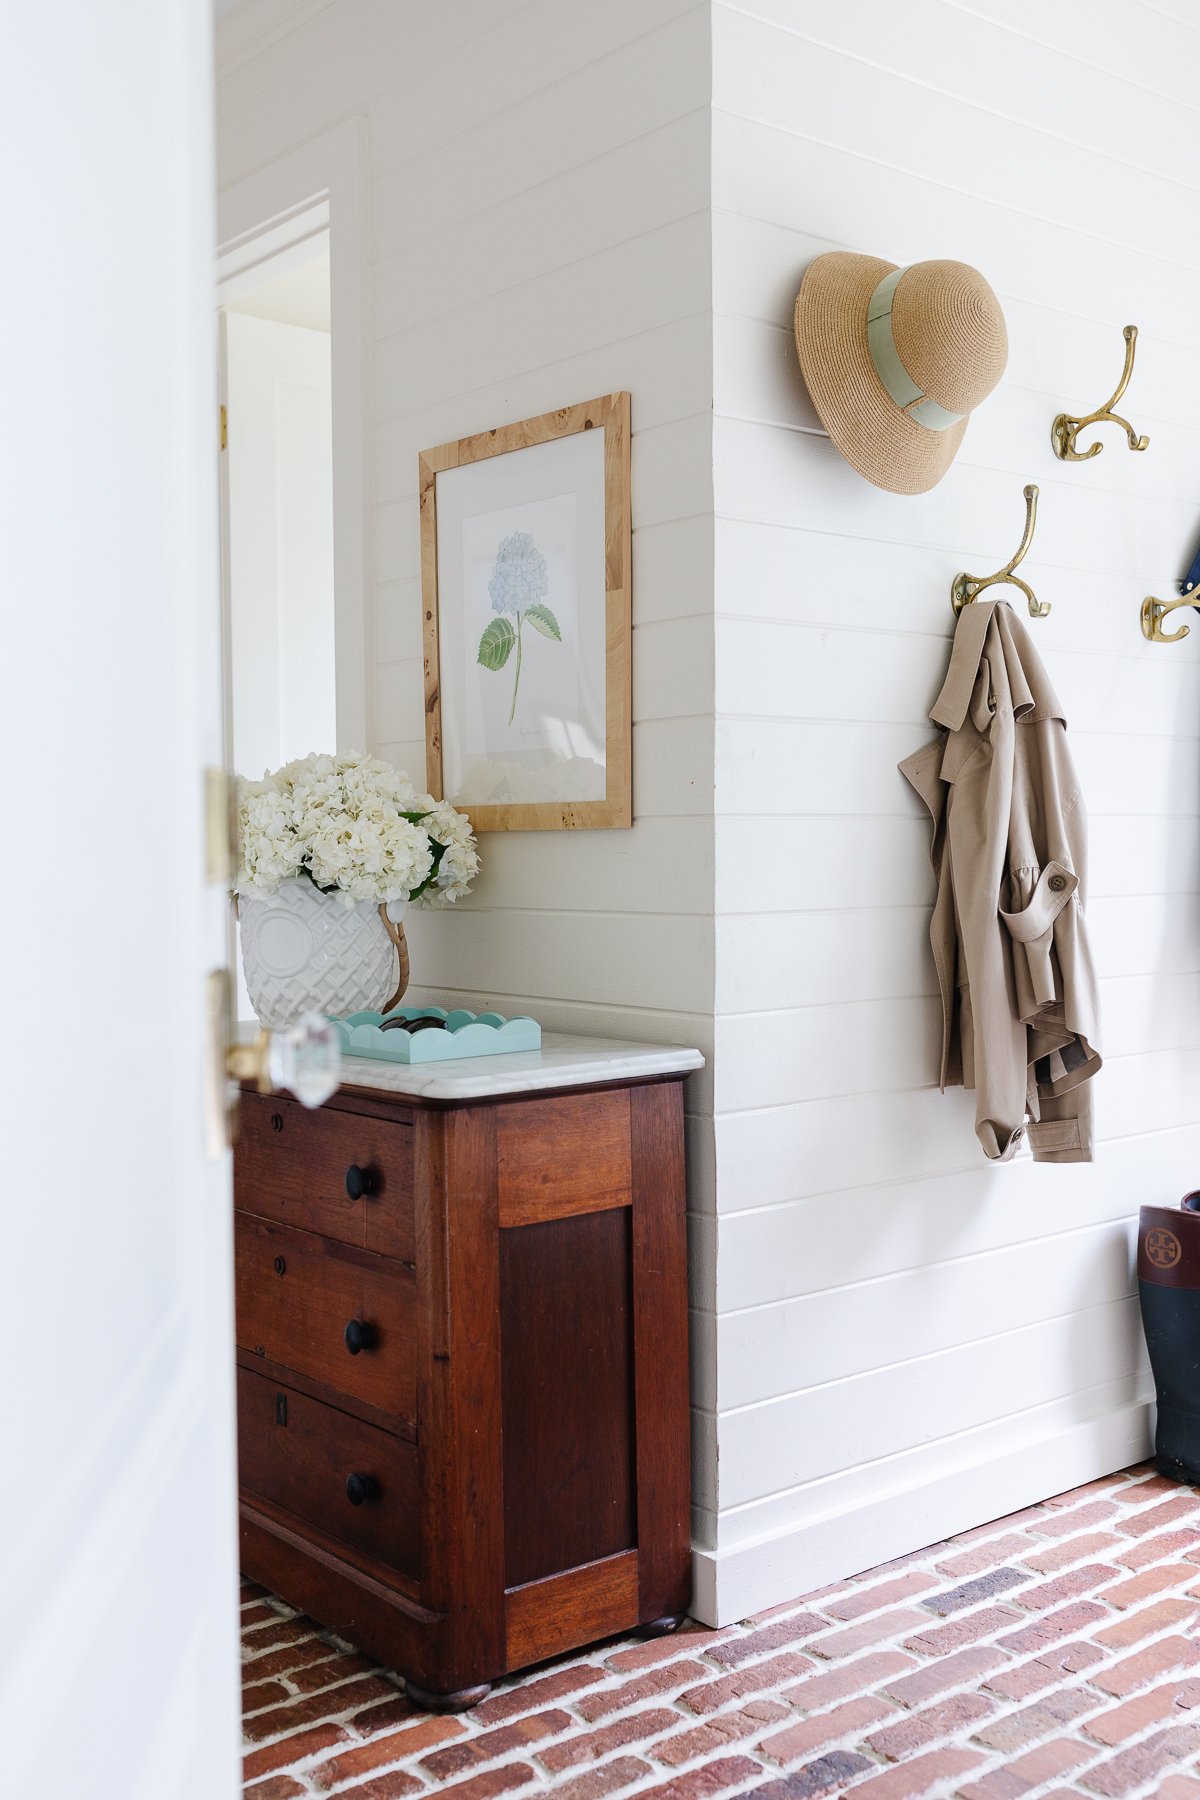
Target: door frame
266	222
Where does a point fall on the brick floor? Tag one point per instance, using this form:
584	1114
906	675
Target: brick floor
1053	1655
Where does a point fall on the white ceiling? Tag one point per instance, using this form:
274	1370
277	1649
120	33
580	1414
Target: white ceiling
299	296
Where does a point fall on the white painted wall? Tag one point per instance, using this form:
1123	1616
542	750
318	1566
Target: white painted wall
905	1341
118	1586
891	1340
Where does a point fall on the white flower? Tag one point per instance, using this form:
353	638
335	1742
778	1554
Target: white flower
459	864
356	827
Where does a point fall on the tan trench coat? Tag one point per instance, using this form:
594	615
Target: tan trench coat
1019	1003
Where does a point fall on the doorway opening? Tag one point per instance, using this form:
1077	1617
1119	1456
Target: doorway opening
277	506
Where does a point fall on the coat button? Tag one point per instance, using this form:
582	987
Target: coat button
1058	883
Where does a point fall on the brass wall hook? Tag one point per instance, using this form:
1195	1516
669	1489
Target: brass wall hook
966	588
1155	611
1065	430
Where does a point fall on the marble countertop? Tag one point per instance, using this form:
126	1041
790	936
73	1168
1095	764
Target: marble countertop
564	1060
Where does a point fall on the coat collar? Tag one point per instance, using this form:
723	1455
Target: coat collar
990	630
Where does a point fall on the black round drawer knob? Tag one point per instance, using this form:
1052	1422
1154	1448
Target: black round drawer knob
359	1181
360	1336
360	1488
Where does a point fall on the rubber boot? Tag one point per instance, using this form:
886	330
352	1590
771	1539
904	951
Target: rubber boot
1169	1287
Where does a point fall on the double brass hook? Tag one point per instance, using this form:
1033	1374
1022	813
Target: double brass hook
1064	432
966	588
1155	611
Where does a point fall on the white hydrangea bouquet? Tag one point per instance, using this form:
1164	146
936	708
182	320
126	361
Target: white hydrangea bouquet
331	850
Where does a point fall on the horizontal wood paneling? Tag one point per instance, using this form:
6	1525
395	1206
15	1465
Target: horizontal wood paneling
539	49
534	241
666	366
771	960
660	864
774	1250
810	181
1085	188
776	476
602	298
1148	57
798	1438
851	1140
635	189
888	1309
794	766
638	959
844	1331
823	861
900	42
1014	1459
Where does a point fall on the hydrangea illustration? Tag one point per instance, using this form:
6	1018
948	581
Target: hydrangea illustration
519	581
519	575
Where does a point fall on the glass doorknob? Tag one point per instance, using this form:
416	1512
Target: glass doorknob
305	1058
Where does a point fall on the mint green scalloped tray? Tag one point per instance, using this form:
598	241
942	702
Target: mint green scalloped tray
466	1034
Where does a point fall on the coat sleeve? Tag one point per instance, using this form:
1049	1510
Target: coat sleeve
1054	976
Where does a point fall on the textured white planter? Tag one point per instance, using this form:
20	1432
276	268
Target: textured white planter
303	951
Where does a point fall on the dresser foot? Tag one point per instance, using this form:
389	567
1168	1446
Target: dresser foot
661	1627
458	1701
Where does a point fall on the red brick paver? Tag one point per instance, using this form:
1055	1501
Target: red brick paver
1053	1655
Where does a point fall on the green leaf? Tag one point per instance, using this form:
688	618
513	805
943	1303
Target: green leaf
544	620
438	850
495	646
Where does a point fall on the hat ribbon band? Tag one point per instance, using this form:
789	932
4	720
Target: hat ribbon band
911	399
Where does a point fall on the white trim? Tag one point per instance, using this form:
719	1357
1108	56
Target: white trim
748	1578
300	236
223	552
282	209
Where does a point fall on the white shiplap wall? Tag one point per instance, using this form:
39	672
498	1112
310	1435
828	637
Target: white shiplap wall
539	233
891	1340
905	1342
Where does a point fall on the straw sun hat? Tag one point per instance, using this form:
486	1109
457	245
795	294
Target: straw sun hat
896	359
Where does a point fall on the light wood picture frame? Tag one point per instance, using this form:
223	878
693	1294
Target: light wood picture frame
526	594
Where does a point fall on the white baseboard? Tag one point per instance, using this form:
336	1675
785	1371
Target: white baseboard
750	1577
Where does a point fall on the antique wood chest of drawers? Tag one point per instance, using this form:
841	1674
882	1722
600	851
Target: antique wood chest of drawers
462	1357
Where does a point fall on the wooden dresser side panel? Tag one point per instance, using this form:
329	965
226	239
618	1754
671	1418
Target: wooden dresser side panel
567	1345
559	1157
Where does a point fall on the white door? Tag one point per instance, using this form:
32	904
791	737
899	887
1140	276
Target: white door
279	475
118	1647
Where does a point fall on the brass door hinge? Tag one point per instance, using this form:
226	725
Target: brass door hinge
220	826
224	412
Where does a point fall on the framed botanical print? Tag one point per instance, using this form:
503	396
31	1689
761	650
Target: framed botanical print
525	568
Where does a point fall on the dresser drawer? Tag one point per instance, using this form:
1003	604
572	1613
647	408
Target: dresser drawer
296	1294
344	1174
310	1459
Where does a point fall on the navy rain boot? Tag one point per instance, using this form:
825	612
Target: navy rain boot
1169	1287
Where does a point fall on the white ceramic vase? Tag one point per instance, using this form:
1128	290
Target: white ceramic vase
304	951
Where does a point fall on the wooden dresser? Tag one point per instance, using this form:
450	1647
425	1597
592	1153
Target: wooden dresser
462	1356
